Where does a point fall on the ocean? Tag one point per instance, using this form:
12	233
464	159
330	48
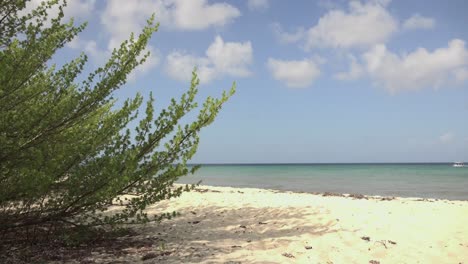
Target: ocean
427	180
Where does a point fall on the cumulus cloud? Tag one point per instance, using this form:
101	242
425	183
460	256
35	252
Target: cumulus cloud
81	9
120	18
258	4
412	71
461	74
417	21
221	58
418	69
294	73
198	14
90	47
287	37
179	66
78	9
100	56
362	25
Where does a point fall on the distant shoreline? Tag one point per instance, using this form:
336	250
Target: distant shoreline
357	196
424	180
325	163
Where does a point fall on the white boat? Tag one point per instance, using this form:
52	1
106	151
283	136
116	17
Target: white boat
458	165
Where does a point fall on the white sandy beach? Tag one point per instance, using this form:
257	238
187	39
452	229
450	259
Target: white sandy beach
240	225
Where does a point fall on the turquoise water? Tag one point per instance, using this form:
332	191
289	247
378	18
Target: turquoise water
439	180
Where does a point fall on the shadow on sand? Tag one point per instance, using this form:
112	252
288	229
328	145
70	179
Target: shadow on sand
201	234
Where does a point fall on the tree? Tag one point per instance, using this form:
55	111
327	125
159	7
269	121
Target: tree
66	152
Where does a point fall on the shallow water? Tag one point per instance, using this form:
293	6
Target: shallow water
431	180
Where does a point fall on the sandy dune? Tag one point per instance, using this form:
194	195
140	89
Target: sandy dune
231	225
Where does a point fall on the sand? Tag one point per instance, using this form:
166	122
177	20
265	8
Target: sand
245	225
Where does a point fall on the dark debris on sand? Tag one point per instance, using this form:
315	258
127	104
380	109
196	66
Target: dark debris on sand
333	194
358	196
288	255
205	190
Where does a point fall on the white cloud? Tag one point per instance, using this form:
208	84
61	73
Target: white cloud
417	21
461	74
222	58
355	70
286	37
76	8
81	9
363	25
99	56
294	73
88	46
198	14
258	4
120	18
418	69
180	65
447	137
230	57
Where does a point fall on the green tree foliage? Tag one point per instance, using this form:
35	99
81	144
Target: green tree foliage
66	152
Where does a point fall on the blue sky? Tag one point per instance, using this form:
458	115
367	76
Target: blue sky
317	81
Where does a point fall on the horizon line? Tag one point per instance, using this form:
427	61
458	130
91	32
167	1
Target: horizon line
322	163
